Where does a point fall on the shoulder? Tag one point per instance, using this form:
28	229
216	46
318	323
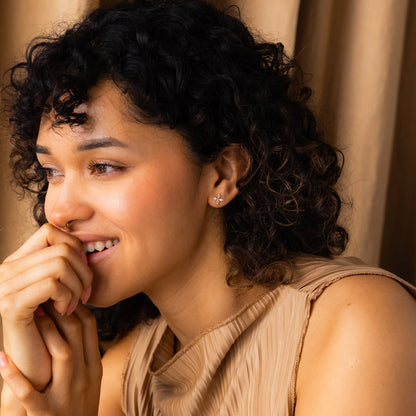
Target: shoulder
114	361
358	356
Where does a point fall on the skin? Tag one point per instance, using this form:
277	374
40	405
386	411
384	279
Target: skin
115	178
358	350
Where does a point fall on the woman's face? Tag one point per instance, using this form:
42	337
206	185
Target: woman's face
132	187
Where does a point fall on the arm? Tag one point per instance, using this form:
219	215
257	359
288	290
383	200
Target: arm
111	386
359	355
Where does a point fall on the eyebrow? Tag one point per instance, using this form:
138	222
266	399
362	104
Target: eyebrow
87	145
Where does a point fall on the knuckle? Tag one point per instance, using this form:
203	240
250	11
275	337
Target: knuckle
21	391
7	306
73	326
47	228
64	354
51	284
90	320
48	325
61	263
63	249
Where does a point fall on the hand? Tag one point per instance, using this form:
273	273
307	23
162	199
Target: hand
50	265
76	368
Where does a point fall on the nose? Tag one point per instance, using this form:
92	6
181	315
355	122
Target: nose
67	202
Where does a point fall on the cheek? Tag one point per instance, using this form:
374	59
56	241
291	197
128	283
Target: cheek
158	199
135	203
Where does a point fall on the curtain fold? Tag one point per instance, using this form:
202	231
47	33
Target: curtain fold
20	21
399	235
359	59
356	83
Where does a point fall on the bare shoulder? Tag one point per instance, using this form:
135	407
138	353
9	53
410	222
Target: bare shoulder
114	361
359	354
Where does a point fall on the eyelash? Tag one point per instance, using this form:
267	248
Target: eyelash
94	166
49	173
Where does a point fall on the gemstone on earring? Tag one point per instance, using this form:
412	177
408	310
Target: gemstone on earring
218	199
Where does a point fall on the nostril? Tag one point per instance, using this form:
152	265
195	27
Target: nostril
68	225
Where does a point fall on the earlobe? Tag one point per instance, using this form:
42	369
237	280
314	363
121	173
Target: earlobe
231	165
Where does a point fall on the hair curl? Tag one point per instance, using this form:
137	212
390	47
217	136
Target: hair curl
186	65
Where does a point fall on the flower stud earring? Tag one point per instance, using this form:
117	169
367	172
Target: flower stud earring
218	199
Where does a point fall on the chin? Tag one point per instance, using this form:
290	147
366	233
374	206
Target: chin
102	300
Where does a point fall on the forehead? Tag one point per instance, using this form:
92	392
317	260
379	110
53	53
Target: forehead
106	97
112	124
106	107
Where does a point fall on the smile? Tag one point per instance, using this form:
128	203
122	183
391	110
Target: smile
97	246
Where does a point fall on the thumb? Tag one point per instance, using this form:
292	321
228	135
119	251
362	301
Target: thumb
32	401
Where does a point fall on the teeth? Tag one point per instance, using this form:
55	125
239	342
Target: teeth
99	245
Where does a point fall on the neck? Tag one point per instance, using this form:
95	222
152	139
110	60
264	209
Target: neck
203	298
195	296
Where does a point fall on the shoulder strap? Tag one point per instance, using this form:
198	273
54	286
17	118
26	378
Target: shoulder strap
313	274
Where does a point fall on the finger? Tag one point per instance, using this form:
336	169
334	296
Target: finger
56	268
63	356
20	306
59	268
47	235
33	401
90	337
70	330
44	261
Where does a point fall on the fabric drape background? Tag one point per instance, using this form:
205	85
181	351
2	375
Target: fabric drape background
359	57
20	21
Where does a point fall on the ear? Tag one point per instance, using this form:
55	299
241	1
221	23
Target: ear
231	165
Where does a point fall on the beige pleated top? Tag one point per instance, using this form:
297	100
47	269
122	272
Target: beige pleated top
245	365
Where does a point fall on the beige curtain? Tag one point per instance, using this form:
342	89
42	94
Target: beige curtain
359	58
20	21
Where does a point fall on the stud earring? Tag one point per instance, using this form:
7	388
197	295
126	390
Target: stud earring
218	199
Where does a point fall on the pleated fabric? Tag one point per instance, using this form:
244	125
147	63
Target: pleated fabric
246	365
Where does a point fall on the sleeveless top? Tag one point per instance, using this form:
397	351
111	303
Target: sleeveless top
246	365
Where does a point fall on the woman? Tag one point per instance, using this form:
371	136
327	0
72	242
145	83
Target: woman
184	191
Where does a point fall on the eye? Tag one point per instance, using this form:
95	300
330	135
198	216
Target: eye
51	173
99	168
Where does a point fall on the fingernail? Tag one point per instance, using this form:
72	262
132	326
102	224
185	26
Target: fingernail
4	362
73	305
40	312
86	295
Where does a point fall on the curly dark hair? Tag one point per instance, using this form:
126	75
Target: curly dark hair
186	65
